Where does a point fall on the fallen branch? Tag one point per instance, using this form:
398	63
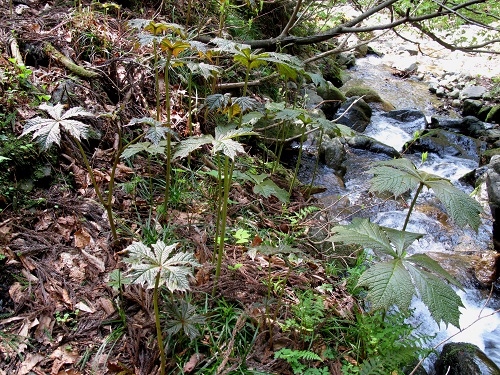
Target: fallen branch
50	50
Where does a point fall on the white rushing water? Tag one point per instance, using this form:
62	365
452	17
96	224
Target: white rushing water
480	324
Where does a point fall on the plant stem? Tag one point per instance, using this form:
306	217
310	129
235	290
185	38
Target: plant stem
169	137
106	203
315	170
299	157
419	189
223	216
159	334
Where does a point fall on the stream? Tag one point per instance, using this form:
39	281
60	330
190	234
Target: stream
445	242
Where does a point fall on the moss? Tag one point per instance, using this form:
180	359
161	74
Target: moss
369	95
494	115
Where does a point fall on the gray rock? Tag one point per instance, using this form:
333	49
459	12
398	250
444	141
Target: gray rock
311	98
456	103
441	91
473	92
409	120
433	86
332	153
471	107
367	143
356	117
493	188
454	94
347	59
460	358
445	143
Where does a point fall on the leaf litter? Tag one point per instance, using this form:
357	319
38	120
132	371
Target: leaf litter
57	309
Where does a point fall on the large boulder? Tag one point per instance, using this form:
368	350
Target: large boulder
464	359
409	120
354	113
473	92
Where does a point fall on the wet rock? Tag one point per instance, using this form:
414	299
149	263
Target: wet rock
366	143
493	188
410	120
333	99
311	98
470	126
473	92
356	117
445	143
464	359
486	268
488	154
471	107
332	153
347	59
369	96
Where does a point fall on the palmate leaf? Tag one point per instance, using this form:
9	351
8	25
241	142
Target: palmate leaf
267	188
245	103
183	317
157	130
218	101
146	263
373	236
48	131
205	70
389	283
188	145
400	175
148	147
462	208
441	300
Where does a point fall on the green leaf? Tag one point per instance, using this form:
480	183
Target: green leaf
48	131
423	260
246	103
205	70
365	233
148	262
217	101
183	317
148	147
441	300
392	180
267	188
188	145
389	284
463	209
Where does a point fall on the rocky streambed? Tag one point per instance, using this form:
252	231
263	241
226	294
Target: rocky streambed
388	100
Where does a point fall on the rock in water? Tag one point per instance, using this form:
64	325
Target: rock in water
459	358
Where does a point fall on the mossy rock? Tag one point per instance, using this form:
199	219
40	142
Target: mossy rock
369	95
488	154
494	115
330	92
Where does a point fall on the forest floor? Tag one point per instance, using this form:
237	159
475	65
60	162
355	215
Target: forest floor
59	311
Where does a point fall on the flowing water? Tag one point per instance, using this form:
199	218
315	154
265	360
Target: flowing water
442	239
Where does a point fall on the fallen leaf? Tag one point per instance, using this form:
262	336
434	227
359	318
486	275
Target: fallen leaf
45	221
62	356
16	292
82	238
107	306
84	307
96	262
193	362
30	361
43	332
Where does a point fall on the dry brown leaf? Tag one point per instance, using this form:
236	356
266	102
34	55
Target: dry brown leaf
43	332
82	238
30	361
96	262
24	331
193	362
44	222
106	305
82	306
62	356
16	292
